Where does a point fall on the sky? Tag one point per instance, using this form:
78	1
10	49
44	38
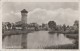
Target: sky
41	12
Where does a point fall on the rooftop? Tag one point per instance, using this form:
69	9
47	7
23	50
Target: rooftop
24	11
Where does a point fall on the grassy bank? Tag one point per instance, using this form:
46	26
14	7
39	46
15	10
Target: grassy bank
67	46
15	32
72	36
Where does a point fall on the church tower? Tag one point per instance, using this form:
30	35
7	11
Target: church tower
24	16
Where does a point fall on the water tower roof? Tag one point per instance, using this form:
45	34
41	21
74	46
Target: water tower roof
24	11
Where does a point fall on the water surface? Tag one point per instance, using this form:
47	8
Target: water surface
38	39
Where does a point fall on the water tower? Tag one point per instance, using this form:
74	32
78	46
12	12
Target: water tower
24	22
24	16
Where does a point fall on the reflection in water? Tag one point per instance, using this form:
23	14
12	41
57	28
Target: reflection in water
39	39
12	42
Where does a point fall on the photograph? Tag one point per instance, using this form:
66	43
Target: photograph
40	25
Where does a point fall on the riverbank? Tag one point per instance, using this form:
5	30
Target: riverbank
72	36
67	46
15	32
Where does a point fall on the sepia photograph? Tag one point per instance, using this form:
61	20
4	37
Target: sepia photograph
40	25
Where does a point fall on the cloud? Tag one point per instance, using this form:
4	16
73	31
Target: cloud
60	16
38	15
11	17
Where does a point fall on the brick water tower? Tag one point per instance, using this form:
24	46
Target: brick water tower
24	16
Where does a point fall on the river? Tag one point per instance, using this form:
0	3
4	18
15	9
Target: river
36	40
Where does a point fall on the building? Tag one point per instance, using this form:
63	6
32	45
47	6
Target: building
23	22
24	16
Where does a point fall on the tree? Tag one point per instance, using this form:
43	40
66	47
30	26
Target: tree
76	26
13	27
43	25
76	23
64	27
68	26
52	25
9	25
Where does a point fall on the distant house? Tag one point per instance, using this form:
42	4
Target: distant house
31	26
18	25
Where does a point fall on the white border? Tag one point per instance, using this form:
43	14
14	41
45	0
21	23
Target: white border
40	0
1	1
